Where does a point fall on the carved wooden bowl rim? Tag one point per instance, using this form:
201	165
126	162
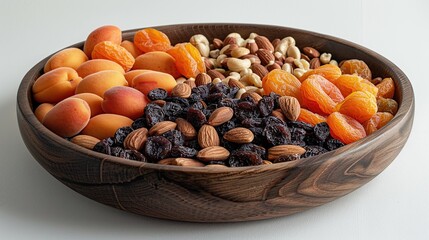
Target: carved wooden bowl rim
403	85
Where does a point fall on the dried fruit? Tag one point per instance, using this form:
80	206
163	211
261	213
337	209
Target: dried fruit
355	66
114	52
386	88
345	128
157	148
188	59
310	117
244	158
377	121
282	83
360	105
387	105
328	71
350	83
150	39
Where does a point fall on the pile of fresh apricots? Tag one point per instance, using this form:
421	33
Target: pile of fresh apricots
103	87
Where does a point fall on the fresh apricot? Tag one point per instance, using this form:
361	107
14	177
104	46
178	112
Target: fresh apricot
350	83
157	61
145	82
114	52
282	83
42	109
100	82
360	105
104	33
150	39
125	101
97	65
55	85
328	71
94	102
105	125
69	57
130	75
345	128
131	48
68	117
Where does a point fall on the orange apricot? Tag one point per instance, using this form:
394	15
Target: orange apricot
145	82
355	66
94	102
386	88
360	105
69	57
310	117
42	109
105	125
377	121
130	75
68	117
328	71
150	39
104	33
114	52
345	128
188	59
97	65
100	82
125	101
157	61
350	83
55	85
282	83
131	48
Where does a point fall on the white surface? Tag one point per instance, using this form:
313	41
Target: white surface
33	205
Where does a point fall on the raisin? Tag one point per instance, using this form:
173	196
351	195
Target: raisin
245	110
183	102
332	144
298	124
198	105
194	97
219	88
254	148
104	146
175	137
215	97
313	151
225	127
228	102
202	91
154	114
196	117
252	122
182	151
172	110
272	120
117	152
297	134
192	144
258	133
266	105
139	123
135	155
215	162
157	94
321	131
287	158
277	134
121	134
157	148
244	158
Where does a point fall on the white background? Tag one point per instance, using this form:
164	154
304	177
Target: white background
33	205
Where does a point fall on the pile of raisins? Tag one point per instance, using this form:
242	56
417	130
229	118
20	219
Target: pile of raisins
268	130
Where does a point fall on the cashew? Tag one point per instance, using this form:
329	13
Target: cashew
284	44
238	65
203	49
245	72
325	58
302	63
234	75
287	67
293	51
214	53
238	38
216	81
333	62
252	80
199	38
298	72
239	93
219	60
239	52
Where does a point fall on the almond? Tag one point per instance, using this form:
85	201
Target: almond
208	137
220	115
159	102
290	107
264	43
252	46
239	135
191	83
186	128
314	63
259	70
208	62
85	141
162	127
311	52
168	161
215	153
278	114
235	83
255	96
188	162
182	90
202	79
265	56
217	43
284	150
272	66
136	139
215	74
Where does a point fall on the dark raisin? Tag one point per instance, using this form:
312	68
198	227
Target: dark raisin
270	120
298	124
157	94
321	131
198	105
254	148
244	158
172	110
139	123
332	144
225	127
202	91
219	88
117	152
245	110
266	106
175	137
297	134
252	122
258	133
277	134
182	151
313	151
228	102
154	114
230	146
287	158
135	155
157	148
183	102
196	117
192	144
194	97
104	146
121	134
275	97
232	92
216	162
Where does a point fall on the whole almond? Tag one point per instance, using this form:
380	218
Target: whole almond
182	90
188	162
272	66
235	83
252	46
85	141
186	128
264	43
229	40
162	127
276	42
290	107
215	153
284	150
202	79
278	114
208	137
259	70
255	96
136	139
220	115
215	74
239	135
265	56
314	63
217	43
209	63
167	161
311	52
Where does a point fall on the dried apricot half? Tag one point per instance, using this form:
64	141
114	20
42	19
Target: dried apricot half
345	128
355	66
386	88
377	121
360	105
188	59
387	105
350	83
320	95
150	39
282	83
113	52
310	117
328	71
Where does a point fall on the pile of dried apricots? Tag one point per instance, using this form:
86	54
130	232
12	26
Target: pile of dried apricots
103	87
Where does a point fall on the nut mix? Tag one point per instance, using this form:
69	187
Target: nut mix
232	102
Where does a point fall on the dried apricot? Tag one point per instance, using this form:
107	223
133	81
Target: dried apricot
360	105
345	128
350	83
150	39
320	95
310	117
377	121
114	52
188	59
282	83
354	66
386	88
387	105
328	71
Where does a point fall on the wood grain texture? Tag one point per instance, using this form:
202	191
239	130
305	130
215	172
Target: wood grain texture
231	194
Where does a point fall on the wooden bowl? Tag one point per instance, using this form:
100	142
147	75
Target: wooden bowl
231	194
